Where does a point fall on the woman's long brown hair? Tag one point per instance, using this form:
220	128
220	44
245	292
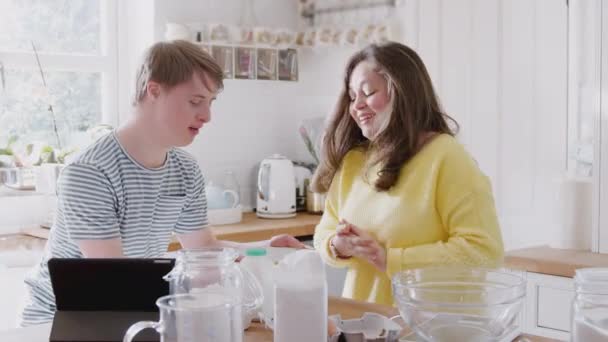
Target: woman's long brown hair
416	112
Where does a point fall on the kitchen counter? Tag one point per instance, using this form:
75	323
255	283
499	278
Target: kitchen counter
251	228
256	333
553	261
349	309
13	242
541	259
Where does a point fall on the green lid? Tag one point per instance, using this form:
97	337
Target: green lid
255	252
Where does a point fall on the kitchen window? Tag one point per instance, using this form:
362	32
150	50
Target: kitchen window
76	43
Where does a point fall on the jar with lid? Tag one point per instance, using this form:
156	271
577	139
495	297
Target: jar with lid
215	269
229	182
590	305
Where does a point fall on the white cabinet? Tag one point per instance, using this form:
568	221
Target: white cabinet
548	305
12	295
335	277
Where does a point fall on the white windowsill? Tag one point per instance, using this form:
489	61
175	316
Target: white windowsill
20	209
8	192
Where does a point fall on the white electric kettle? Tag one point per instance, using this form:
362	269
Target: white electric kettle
276	188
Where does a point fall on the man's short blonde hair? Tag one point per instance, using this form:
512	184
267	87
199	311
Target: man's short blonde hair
174	62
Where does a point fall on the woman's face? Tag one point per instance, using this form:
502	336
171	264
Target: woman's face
370	101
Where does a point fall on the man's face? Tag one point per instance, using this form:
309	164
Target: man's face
180	112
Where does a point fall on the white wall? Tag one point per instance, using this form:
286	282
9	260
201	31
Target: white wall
500	70
253	119
498	66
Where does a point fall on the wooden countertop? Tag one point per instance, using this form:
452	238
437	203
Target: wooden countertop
16	242
541	259
349	309
553	261
251	228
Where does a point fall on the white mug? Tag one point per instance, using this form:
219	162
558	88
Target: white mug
219	198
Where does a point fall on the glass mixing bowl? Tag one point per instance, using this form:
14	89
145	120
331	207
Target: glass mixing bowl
458	303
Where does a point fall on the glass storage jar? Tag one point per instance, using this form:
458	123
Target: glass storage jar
590	305
215	269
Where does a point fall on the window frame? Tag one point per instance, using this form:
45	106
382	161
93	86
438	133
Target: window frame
588	68
106	63
600	219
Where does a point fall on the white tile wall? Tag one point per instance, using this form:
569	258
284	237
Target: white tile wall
254	119
500	69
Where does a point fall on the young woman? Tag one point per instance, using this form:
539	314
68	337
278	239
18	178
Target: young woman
401	191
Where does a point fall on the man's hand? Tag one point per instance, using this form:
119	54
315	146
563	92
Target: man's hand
285	240
110	248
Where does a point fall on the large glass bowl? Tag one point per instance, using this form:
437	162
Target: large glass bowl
459	304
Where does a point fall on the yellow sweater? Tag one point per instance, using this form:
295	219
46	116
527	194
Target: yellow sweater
440	212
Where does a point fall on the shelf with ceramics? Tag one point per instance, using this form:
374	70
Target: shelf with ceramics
321	35
270	54
243	53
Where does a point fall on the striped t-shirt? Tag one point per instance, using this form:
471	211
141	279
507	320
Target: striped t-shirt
105	194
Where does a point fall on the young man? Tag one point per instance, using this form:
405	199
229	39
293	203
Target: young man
125	195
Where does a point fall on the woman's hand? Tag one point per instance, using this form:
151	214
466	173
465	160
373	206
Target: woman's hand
286	240
351	240
342	244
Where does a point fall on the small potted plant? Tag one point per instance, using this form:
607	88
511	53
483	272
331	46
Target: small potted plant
21	164
11	173
310	131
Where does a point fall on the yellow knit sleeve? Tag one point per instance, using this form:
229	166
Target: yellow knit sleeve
326	229
465	205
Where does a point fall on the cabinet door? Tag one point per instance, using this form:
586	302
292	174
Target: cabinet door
548	305
12	295
335	277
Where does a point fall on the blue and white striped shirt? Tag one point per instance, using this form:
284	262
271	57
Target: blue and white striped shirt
105	194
